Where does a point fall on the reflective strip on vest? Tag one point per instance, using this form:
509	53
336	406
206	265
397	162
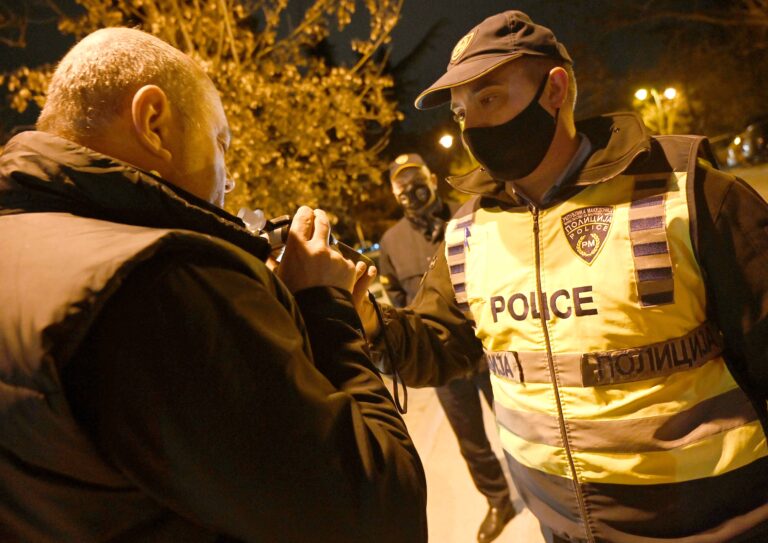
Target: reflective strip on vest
648	233
645	393
610	367
457	239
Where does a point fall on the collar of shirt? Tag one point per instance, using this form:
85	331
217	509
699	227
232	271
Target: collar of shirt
574	166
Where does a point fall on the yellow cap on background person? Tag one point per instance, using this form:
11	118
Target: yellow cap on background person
406	160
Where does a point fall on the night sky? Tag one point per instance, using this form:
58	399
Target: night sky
454	19
447	21
571	20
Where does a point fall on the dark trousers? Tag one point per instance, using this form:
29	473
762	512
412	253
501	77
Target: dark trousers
461	403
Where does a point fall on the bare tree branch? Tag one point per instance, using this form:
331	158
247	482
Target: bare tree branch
226	13
383	37
183	27
13	22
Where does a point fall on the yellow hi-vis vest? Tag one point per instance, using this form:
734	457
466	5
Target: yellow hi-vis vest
612	398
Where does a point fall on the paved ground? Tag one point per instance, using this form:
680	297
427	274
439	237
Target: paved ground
454	507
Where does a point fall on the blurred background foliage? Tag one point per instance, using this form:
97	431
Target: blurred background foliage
305	130
318	110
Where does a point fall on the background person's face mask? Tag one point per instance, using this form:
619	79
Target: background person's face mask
416	196
423	208
515	148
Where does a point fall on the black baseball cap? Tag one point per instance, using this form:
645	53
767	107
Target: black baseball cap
497	40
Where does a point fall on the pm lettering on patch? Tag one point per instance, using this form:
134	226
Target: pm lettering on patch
586	230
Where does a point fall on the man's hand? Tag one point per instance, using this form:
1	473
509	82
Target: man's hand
308	260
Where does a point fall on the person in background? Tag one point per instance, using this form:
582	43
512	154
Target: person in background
406	250
158	382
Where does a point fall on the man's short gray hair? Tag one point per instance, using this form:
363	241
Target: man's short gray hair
98	77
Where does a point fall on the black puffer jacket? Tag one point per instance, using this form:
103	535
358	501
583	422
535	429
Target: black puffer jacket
158	383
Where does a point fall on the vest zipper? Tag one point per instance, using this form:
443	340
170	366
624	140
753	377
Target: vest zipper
550	361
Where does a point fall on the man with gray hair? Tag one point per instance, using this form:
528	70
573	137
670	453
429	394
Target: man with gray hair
157	381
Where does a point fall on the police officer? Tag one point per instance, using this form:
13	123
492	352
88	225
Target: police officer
406	250
617	285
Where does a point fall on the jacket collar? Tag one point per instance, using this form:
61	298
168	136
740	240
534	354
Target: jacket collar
43	172
617	140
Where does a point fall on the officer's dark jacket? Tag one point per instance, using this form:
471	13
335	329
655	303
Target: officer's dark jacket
433	341
158	383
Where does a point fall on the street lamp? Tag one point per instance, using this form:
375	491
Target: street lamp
662	108
446	140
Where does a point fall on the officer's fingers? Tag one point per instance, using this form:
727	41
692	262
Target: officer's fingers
370	274
362	283
364	306
360	268
303	223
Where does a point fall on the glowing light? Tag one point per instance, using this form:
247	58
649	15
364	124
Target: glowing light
641	94
737	140
670	93
446	140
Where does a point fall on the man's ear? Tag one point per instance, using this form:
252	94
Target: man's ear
433	180
151	118
557	88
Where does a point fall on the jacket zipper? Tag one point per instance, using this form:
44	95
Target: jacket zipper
550	361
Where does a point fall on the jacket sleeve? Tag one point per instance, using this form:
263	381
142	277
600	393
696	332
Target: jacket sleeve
389	279
430	342
732	230
205	394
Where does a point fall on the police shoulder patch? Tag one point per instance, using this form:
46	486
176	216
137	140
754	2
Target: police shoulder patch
586	229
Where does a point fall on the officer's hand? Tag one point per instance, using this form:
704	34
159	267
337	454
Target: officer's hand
364	306
366	276
308	260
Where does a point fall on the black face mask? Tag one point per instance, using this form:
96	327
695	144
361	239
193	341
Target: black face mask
515	148
416	197
422	206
